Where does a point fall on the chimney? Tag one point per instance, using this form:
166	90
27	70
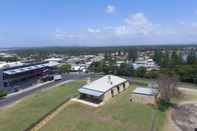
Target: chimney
109	79
88	80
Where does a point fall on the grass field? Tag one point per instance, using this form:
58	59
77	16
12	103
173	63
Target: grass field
140	81
119	114
22	114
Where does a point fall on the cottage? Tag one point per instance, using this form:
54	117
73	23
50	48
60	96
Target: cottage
103	89
144	95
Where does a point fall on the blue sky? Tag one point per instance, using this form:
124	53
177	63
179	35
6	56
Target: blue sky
97	22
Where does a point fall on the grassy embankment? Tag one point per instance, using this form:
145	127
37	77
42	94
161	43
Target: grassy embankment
118	114
21	115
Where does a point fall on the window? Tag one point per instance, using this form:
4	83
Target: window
112	92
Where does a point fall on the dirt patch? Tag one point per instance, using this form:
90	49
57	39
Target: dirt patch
185	117
169	125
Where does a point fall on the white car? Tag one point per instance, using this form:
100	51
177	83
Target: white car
57	77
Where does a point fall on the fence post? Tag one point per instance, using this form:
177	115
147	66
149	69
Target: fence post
153	118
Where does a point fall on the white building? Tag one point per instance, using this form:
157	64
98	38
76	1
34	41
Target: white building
148	63
53	59
103	89
10	64
78	68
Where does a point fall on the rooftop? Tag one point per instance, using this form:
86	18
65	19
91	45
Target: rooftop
54	59
145	91
24	69
104	83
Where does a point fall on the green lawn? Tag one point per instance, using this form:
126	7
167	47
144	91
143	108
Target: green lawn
19	116
119	114
141	81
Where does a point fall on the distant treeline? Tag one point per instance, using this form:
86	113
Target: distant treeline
75	51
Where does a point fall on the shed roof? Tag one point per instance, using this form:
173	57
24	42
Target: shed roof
145	91
91	92
104	83
24	69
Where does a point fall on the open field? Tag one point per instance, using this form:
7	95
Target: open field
22	114
140	81
119	114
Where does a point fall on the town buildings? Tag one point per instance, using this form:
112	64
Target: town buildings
18	75
145	62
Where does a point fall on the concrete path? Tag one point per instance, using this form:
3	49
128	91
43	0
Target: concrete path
87	103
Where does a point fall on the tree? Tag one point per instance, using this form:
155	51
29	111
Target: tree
152	74
157	56
175	59
96	67
132	54
2	93
125	70
106	69
140	72
165	60
9	59
191	59
187	73
65	68
167	87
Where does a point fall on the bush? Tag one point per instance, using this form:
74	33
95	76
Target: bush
163	105
2	93
140	72
152	74
65	68
140	82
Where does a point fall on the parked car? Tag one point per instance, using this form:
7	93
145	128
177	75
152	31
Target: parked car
57	77
47	78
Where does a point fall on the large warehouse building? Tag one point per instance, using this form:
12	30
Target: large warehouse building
103	88
21	76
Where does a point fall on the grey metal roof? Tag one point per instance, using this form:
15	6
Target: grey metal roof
24	69
145	91
91	92
105	83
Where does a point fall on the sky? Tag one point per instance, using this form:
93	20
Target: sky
25	23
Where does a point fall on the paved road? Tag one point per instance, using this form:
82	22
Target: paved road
13	98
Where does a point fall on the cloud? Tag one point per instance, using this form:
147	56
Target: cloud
91	30
61	35
135	24
136	28
110	9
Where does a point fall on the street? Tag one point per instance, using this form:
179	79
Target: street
13	98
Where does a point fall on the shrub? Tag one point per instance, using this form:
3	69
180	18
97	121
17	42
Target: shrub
2	93
163	105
